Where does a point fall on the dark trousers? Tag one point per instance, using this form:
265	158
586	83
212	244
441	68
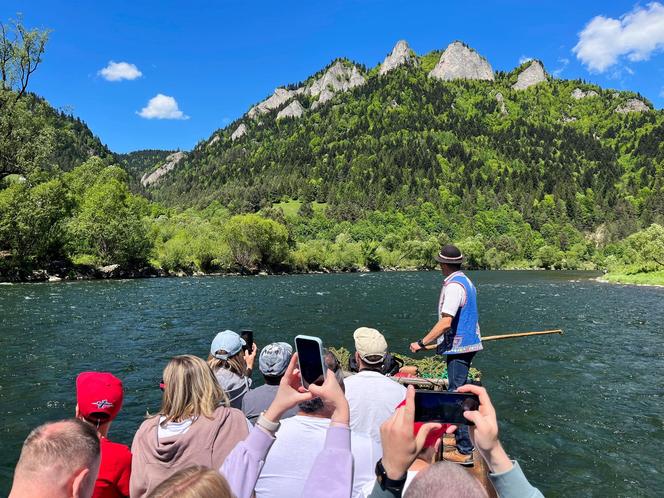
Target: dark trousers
457	375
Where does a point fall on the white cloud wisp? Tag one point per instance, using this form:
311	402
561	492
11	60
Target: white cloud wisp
162	107
118	71
636	35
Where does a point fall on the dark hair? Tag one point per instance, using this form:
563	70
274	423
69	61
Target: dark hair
69	444
331	362
272	380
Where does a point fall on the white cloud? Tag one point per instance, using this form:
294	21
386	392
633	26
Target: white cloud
563	65
118	71
524	58
162	107
636	35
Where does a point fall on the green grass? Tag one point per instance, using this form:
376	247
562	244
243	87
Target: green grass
291	207
650	278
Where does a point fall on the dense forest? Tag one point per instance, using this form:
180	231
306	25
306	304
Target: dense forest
376	177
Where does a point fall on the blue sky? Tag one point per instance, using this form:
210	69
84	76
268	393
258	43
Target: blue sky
207	62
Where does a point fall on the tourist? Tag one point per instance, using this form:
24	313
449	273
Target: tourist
194	482
232	365
272	362
98	401
302	437
330	471
401	447
58	460
424	458
194	426
371	395
457	335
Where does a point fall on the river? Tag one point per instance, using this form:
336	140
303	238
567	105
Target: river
582	412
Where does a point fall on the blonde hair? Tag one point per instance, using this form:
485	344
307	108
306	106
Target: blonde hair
235	363
190	390
193	482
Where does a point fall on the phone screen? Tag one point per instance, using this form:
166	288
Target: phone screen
310	358
248	336
443	406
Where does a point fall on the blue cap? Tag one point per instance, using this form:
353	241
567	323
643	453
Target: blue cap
228	341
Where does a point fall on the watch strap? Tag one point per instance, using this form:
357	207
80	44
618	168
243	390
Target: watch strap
385	483
268	425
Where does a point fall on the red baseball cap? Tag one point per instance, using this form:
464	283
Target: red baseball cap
433	435
99	395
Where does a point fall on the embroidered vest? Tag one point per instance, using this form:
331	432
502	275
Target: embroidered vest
464	334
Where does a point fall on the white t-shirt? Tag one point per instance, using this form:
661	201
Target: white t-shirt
299	441
410	475
452	296
373	398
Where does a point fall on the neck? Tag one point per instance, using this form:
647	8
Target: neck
37	486
319	414
418	465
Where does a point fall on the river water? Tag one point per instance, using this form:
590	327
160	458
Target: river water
582	412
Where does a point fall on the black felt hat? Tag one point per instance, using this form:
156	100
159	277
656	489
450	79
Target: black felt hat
450	255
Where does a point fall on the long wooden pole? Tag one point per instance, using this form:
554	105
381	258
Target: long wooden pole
511	336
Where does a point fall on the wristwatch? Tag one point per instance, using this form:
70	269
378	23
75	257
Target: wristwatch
268	425
420	343
385	483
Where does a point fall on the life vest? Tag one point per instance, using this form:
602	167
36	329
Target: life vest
464	334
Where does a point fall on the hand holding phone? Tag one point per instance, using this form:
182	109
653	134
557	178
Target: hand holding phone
310	359
444	406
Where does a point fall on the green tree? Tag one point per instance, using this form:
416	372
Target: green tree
109	227
256	242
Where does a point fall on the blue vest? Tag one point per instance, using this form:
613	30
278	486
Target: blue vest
464	334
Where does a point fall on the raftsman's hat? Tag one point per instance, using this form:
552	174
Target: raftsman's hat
450	255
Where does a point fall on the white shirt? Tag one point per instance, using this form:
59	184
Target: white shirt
452	297
373	398
299	441
410	475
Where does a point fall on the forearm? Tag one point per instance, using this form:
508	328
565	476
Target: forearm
513	483
243	466
331	475
437	330
497	459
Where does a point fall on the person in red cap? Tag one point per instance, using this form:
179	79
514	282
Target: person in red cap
98	401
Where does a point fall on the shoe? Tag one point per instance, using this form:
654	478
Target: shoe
449	440
456	457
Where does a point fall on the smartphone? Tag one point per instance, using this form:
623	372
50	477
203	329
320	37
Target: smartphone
444	406
248	336
310	358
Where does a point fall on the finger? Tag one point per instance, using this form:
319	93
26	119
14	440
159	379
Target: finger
291	366
423	433
474	416
409	408
451	428
479	391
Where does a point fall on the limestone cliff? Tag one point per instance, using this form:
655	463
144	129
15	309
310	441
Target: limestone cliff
338	78
172	161
460	62
292	110
239	132
532	75
275	101
632	105
579	94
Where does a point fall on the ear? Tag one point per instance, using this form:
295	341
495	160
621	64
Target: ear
80	487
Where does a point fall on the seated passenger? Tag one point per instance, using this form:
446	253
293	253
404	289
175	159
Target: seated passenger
58	460
231	365
98	401
371	395
193	482
301	438
272	362
194	426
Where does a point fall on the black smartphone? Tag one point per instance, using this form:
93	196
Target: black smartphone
248	336
310	358
444	406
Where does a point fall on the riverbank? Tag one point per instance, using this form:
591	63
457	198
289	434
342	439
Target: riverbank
651	279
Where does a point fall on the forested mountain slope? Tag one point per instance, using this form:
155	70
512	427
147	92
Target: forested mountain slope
523	140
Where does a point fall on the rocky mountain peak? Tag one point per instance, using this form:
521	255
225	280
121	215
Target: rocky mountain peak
401	54
338	78
632	105
532	75
171	162
460	62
